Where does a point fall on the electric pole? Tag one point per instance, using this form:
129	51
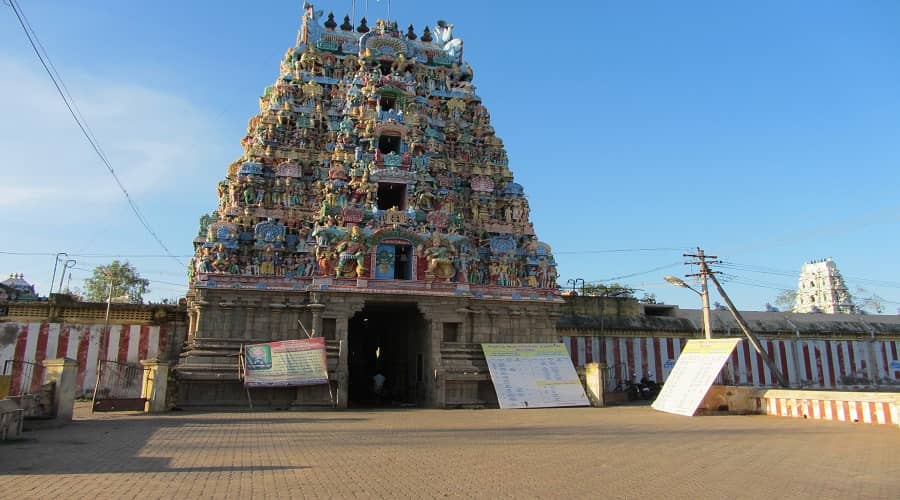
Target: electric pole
705	272
704	290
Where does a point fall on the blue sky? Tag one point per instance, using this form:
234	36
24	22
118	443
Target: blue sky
765	132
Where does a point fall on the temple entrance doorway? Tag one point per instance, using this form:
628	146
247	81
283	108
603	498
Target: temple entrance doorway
386	355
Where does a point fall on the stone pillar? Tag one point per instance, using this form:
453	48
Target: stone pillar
435	387
595	382
316	310
12	419
156	382
192	313
226	309
276	328
342	372
62	372
249	318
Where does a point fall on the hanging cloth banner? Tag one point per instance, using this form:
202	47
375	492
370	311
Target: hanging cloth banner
286	363
696	369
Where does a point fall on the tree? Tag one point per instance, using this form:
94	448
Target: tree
611	290
125	280
869	302
785	300
648	298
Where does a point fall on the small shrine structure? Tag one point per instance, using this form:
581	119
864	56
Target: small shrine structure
373	205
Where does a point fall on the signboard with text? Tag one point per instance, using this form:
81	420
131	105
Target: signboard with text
694	372
286	363
533	375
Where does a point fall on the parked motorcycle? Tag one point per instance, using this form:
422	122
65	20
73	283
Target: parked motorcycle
649	389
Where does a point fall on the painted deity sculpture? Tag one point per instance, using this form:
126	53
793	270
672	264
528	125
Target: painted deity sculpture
439	254
352	254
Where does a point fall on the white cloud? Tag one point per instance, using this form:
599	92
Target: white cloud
155	141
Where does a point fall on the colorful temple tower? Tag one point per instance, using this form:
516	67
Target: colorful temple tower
374	206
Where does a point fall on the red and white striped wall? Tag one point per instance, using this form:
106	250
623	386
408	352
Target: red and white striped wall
86	343
850	408
806	363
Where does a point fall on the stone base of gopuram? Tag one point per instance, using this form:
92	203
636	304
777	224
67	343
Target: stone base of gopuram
426	343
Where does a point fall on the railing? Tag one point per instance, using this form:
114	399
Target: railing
25	376
119	380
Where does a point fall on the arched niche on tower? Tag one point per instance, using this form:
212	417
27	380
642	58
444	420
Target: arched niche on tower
393	254
389	137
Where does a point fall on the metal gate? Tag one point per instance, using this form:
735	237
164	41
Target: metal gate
23	377
119	387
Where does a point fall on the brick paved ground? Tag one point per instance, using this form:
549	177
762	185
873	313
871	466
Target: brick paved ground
621	452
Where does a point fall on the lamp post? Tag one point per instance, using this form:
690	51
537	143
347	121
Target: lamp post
66	265
704	298
55	263
574	283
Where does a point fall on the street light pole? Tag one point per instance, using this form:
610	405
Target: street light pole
55	263
704	299
66	265
574	283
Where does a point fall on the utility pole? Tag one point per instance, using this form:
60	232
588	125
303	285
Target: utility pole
704	290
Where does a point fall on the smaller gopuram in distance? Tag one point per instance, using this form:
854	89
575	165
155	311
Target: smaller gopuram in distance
373	206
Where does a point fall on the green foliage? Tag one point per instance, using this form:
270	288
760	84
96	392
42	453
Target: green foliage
648	298
869	303
611	290
785	300
125	281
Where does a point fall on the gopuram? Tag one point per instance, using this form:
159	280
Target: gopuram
373	206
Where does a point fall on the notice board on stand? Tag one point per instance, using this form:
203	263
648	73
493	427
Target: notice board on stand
286	363
696	369
533	375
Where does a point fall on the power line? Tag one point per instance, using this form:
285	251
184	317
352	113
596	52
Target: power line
80	121
795	275
148	279
660	268
95	255
619	250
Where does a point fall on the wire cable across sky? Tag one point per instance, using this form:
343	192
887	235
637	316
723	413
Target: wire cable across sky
80	121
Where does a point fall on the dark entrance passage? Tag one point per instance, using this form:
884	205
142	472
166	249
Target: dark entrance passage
386	355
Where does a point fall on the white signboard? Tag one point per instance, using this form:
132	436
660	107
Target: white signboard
696	369
533	375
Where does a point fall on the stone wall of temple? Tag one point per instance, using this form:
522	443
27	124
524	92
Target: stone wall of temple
447	331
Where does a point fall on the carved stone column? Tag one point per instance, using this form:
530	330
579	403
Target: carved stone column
342	372
226	309
316	308
276	332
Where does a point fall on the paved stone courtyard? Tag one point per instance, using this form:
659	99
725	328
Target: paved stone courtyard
618	452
